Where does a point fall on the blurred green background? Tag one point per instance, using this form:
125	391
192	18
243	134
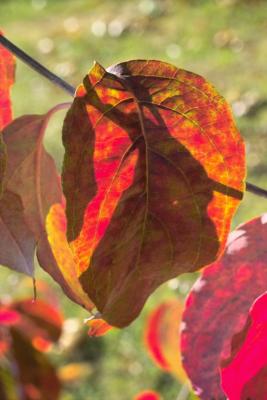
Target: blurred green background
223	40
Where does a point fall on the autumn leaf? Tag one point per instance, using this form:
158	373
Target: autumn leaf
40	322
153	173
28	328
97	327
244	372
162	337
218	305
35	372
31	186
7	77
148	395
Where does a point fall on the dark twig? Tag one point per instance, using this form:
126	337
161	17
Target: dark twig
36	65
256	190
71	90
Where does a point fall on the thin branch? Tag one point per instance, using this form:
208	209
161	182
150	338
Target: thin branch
35	65
256	190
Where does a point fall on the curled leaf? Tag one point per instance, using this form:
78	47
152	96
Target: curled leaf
153	173
218	304
97	327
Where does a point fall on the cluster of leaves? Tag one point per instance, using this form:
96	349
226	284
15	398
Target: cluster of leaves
27	329
153	173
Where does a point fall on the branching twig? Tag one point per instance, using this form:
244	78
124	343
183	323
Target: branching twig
71	90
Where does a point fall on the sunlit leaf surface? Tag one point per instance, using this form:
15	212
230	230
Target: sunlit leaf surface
153	173
7	77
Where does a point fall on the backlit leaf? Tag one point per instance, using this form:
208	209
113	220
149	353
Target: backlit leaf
162	337
7	76
97	327
218	304
67	264
153	173
244	373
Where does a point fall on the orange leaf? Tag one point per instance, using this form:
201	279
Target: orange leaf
98	327
73	373
162	337
153	173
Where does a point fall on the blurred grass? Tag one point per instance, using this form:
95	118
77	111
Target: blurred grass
223	40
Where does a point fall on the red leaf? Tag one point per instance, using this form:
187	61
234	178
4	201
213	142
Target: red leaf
244	373
153	172
148	395
218	304
36	375
29	327
8	317
162	337
7	76
40	322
